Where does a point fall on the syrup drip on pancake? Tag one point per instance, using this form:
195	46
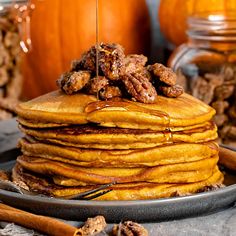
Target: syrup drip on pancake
99	105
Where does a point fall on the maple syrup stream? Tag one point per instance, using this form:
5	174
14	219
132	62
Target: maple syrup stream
100	105
97	36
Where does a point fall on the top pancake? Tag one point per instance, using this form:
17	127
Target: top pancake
58	108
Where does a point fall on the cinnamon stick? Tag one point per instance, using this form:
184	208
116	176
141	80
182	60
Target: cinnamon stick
42	224
227	158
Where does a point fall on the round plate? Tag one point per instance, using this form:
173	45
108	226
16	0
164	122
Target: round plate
115	211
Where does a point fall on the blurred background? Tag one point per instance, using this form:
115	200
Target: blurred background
196	38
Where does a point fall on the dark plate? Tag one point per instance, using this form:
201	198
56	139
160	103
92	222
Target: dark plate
115	211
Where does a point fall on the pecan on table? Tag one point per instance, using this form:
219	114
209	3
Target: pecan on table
92	226
129	228
72	82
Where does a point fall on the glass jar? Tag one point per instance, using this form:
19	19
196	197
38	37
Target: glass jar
206	67
14	37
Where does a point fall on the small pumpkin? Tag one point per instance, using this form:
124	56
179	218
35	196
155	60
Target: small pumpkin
62	30
173	15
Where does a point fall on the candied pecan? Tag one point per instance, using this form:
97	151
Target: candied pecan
96	84
11	39
134	63
232	111
171	91
220	119
77	65
229	75
129	228
223	92
145	73
203	90
220	106
86	62
139	87
92	226
224	131
111	60
164	74
232	132
4	78
110	92
8	104
72	82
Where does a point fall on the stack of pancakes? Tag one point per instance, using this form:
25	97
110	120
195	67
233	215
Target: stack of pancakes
76	143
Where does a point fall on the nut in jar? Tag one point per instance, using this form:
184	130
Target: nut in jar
206	67
14	38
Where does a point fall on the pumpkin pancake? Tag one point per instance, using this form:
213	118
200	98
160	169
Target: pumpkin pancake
89	136
163	155
173	177
59	108
106	175
128	191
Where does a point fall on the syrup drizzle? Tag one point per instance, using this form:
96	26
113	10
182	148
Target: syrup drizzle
97	36
128	106
99	105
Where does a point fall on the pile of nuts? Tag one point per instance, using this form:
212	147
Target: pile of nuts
105	71
10	75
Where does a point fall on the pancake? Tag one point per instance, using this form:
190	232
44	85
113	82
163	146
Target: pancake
129	191
116	138
36	125
57	107
107	175
163	155
173	177
30	124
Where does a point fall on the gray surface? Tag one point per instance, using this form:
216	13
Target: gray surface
221	223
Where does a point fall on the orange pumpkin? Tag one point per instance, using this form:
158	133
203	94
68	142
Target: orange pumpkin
62	30
173	15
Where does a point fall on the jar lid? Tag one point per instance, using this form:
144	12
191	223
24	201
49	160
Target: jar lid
214	26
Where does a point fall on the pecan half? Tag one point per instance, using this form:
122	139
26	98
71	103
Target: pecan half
171	91
129	228
140	88
111	60
164	74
